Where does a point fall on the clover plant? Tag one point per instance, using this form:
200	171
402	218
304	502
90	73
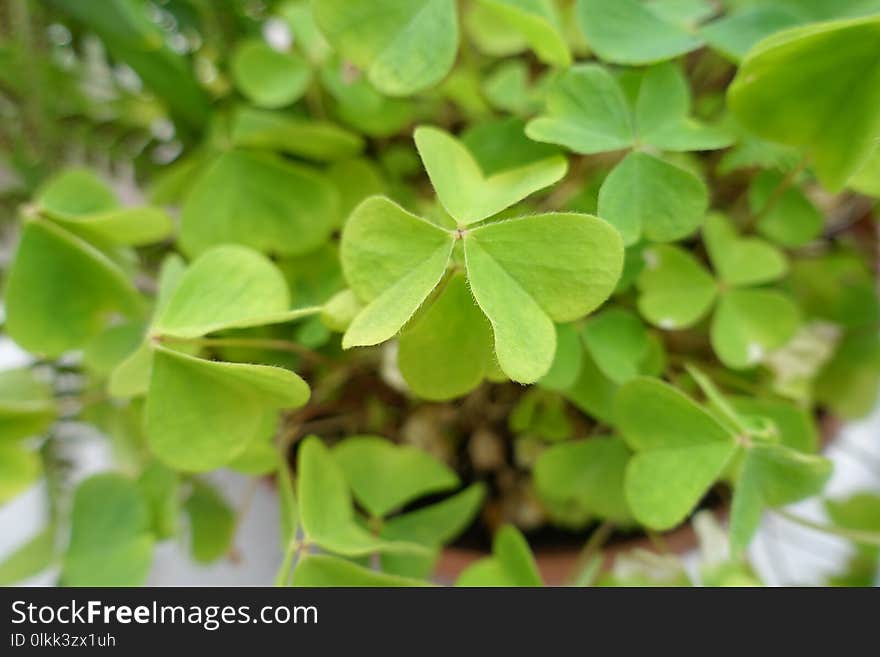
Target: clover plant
444	272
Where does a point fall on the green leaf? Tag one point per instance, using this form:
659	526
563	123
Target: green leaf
384	477
735	34
320	141
75	193
661	113
20	468
355	179
201	414
357	104
83	204
403	45
792	220
110	542
629	32
541	415
867	179
267	77
326	507
750	323
618	342
320	570
211	523
588	475
463	189
592	392
586	111
60	290
838	127
112	346
159	486
446	350
526	273
675	290
501	144
772	475
290	209
645	196
794	426
26	405
680	448
199	305
539	24
511	563
392	260
849	383
741	261
431	526
29	559
567	361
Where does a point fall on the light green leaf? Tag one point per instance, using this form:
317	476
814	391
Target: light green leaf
26	405
446	350
317	570
211	523
772	476
511	563
75	193
645	196
112	346
538	22
838	127
793	425
741	261
403	45
199	306
201	414
320	141
618	342
110	543
355	179
466	193
587	112
680	448
384	477
431	526
267	77
735	34
587	474
326	507
750	323
661	113
675	290
392	260
20	468
60	290
29	559
261	201
526	273
357	104
628	32
849	383
792	220
132	376
160	488
567	361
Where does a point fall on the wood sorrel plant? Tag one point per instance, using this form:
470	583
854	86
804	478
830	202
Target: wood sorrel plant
440	268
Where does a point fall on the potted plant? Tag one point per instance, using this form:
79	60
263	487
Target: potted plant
485	274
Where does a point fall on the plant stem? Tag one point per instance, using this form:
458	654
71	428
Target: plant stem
283	575
587	556
854	535
253	343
